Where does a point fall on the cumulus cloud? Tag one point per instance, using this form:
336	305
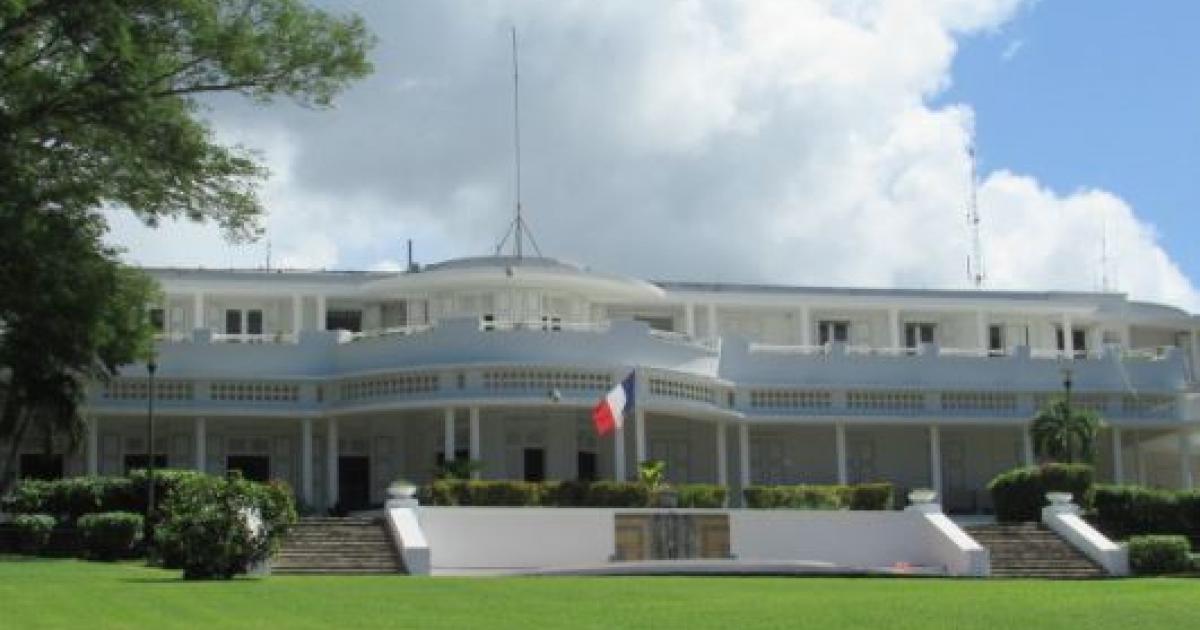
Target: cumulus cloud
789	142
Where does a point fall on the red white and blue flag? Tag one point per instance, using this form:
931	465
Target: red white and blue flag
609	413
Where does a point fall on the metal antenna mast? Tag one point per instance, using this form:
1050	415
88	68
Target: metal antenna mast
975	270
518	229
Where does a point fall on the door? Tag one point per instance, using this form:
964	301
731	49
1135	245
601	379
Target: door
354	482
535	464
253	467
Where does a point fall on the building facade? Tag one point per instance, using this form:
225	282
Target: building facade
341	382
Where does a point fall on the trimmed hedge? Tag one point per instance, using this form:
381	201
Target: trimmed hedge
1020	494
110	535
1158	554
867	496
70	498
1123	511
445	492
32	532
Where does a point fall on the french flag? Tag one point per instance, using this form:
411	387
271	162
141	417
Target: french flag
609	413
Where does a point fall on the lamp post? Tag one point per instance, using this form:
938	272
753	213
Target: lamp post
151	368
1066	374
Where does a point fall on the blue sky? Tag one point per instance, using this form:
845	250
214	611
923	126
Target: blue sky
1095	94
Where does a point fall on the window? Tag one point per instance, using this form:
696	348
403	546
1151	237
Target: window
158	319
996	341
833	332
586	465
345	319
141	462
917	334
551	323
238	321
233	322
254	322
253	467
657	322
1078	340
489	321
535	464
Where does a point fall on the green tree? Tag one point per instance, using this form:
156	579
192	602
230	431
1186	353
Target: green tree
100	109
1065	434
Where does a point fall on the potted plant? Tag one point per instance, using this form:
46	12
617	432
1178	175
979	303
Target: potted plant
401	489
652	474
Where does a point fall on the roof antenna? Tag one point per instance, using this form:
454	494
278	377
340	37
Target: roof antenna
975	270
268	254
518	229
1105	280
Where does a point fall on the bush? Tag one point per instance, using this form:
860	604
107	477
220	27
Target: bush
701	495
617	494
1020	494
110	535
524	493
32	532
1122	511
870	496
216	527
1157	555
68	499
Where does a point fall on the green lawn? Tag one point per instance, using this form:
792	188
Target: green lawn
68	594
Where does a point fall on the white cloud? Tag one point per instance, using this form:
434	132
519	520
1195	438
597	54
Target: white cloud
1012	49
787	141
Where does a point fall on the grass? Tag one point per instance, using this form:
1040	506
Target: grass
70	593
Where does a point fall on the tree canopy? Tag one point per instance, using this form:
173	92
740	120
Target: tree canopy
1065	434
100	111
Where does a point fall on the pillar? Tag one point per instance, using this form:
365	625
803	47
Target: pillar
689	319
198	311
320	324
1195	356
448	446
935	459
1068	338
1139	457
306	458
297	315
805	326
93	445
1118	457
981	331
331	463
714	330
476	452
1027	446
894	326
722	456
843	476
201	431
744	454
1186	481
639	433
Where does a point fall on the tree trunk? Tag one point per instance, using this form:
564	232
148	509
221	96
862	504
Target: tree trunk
10	460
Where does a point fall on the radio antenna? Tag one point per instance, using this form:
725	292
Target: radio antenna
518	229
975	270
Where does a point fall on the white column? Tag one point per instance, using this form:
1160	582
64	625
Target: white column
331	463
306	458
1126	336
894	326
1139	457
93	445
935	459
320	323
722	456
843	476
1027	445
1068	338
201	438
639	433
476	452
1186	481
805	326
981	330
198	311
1195	362
619	453
744	454
689	319
297	315
1118	457
448	446
714	330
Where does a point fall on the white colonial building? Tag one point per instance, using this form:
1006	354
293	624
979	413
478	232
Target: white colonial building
341	382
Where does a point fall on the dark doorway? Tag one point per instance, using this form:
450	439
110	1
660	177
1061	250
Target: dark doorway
141	462
253	467
45	467
354	482
535	464
586	462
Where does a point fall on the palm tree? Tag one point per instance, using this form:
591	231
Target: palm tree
1063	434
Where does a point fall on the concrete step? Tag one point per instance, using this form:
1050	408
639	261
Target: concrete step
1029	550
322	546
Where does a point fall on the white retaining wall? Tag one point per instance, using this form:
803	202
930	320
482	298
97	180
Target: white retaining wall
494	538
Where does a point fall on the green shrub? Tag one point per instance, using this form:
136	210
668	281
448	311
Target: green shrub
701	495
32	532
1122	511
110	535
70	498
502	493
219	527
1159	554
617	494
1020	494
870	496
566	493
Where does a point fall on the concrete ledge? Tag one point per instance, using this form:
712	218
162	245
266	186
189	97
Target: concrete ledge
1065	521
405	528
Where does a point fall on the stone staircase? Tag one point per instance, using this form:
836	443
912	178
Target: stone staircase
1030	550
347	546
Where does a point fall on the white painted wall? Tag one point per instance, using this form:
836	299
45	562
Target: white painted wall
517	538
